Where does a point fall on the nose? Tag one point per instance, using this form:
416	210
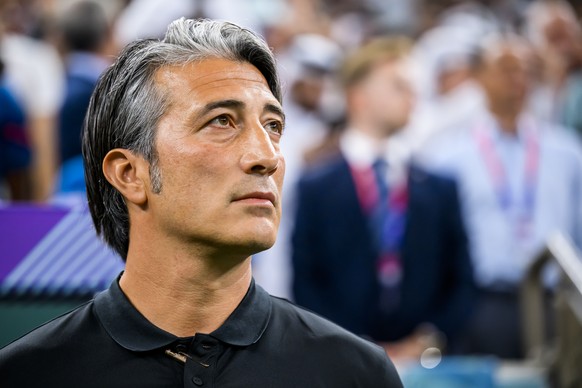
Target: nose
260	154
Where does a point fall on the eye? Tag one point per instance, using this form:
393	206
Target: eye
275	127
221	121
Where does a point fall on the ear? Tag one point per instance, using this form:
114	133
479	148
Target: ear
127	173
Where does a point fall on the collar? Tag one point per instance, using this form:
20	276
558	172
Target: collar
525	127
362	150
131	330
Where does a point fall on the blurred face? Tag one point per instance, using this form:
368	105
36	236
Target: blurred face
219	158
385	97
504	76
563	37
307	92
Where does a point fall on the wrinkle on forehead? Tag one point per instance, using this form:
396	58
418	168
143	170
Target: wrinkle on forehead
209	71
215	73
192	86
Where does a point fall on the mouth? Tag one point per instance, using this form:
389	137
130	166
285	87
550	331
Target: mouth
257	198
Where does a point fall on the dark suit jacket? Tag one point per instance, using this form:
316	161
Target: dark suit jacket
334	257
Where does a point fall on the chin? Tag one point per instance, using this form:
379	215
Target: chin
260	247
255	241
262	242
248	248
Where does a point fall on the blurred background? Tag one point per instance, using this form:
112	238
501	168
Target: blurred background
462	65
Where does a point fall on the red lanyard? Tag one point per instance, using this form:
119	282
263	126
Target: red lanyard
498	174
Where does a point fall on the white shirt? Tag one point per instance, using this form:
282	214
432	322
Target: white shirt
499	257
361	150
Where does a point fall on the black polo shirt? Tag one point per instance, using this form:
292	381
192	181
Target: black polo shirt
266	342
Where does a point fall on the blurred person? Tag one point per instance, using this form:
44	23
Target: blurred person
142	19
84	30
378	246
184	174
34	72
14	147
253	14
448	95
309	65
556	34
520	179
149	18
395	16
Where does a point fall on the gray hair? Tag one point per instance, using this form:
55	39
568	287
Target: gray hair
127	105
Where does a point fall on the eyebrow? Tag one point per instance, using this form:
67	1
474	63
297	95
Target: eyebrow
232	104
236	104
275	109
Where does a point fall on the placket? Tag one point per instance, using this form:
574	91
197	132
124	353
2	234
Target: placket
200	365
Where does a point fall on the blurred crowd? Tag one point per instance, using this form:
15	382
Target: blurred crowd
431	147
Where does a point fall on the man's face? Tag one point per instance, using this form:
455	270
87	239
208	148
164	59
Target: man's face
219	157
505	76
562	37
388	95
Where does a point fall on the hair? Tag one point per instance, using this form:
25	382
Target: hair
127	105
84	26
540	13
360	63
492	42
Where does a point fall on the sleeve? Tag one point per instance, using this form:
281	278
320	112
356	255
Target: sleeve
387	373
369	366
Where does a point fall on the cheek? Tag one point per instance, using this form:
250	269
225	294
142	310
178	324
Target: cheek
280	174
188	172
388	99
386	104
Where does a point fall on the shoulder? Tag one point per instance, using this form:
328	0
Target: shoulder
319	172
443	152
437	182
420	173
52	339
331	344
317	327
559	139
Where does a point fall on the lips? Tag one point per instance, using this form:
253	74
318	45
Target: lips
258	196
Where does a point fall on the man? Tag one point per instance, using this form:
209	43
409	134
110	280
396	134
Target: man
384	262
184	174
84	29
520	180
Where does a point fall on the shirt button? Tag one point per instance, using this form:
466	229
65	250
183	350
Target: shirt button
197	380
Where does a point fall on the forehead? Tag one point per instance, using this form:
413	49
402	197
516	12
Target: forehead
505	53
210	78
394	68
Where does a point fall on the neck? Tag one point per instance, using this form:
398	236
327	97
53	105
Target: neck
372	130
506	118
182	293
